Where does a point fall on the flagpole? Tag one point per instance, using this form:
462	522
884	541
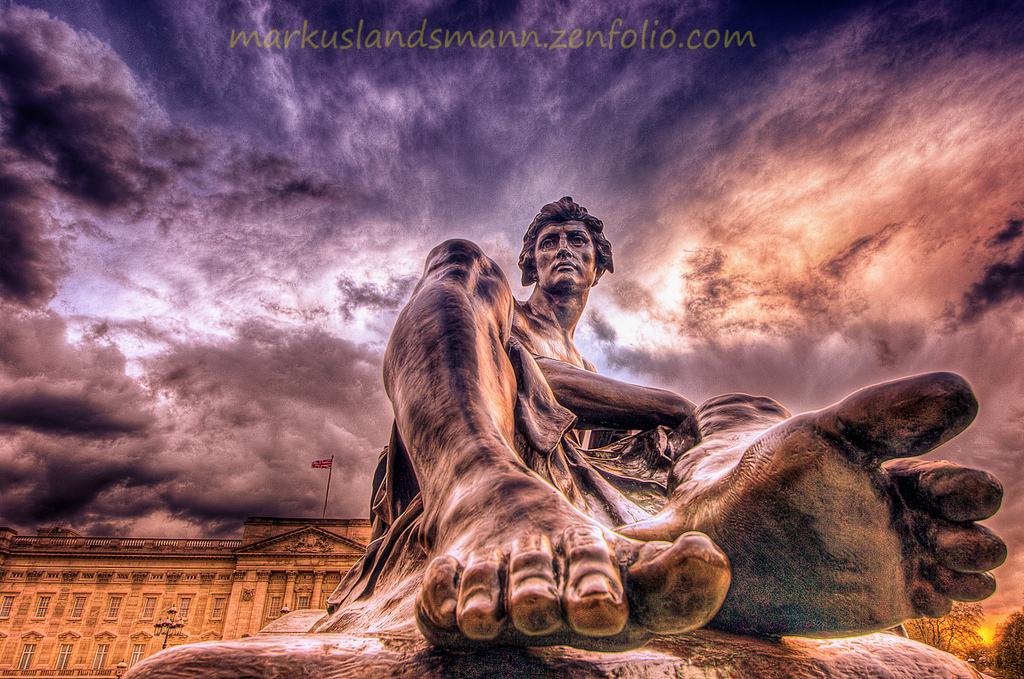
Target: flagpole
330	470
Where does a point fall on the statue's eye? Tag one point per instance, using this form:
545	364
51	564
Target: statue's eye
579	240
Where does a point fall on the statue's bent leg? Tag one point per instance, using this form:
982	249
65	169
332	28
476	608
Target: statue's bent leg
829	529
510	559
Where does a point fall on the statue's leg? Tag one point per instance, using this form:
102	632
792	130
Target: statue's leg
829	529
511	560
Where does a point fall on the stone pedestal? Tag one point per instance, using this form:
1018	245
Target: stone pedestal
280	652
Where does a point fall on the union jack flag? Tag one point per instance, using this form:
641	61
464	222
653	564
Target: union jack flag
323	464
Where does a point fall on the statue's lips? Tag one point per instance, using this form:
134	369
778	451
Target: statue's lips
566	266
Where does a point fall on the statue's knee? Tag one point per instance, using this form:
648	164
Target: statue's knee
738	411
462	255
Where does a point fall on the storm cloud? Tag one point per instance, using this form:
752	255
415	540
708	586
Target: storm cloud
1000	282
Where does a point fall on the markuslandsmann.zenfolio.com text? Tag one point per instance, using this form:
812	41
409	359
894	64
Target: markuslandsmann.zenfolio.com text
648	36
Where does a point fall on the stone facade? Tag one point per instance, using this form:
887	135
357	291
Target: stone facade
77	606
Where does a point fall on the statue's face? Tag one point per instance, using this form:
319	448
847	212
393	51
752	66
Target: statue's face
566	258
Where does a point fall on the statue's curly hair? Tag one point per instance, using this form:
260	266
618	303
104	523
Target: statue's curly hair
564	210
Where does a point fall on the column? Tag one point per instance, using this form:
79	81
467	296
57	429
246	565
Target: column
259	602
235	615
289	591
318	585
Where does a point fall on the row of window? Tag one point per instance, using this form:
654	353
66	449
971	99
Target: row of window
119	576
114	607
148	607
274	603
99	661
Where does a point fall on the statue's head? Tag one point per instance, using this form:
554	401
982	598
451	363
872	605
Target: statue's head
564	210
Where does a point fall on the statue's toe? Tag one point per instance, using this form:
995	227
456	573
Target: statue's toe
928	601
533	602
952	492
480	612
594	600
902	418
967	548
436	605
677	587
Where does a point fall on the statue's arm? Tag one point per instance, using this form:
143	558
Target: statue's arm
600	401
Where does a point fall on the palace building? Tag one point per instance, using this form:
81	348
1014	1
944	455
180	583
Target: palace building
76	606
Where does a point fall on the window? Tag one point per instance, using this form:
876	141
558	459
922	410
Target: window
274	609
183	605
101	656
6	605
77	608
302	601
42	607
64	656
114	607
218	608
138	650
28	652
148	608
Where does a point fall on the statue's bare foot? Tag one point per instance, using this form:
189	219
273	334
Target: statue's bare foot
827	532
567	581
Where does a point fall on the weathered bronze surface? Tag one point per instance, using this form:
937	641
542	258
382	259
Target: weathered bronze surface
495	528
697	655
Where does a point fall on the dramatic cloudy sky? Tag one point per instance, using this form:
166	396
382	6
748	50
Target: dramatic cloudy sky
203	247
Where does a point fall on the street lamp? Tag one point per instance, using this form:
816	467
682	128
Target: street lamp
120	668
169	627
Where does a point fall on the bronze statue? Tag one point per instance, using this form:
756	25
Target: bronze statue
494	525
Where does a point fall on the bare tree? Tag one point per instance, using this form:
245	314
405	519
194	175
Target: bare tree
956	633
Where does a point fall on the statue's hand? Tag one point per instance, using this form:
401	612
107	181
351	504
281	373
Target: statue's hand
824	538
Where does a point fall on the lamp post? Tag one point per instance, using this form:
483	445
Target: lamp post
170	625
120	668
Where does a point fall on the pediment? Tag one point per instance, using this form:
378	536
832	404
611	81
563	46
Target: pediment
305	540
104	636
31	636
139	636
69	636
